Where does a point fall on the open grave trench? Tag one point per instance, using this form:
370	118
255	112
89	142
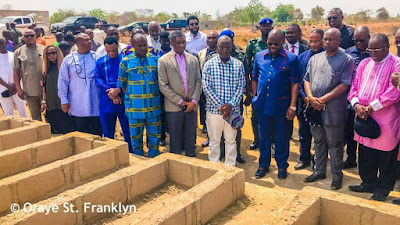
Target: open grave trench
81	175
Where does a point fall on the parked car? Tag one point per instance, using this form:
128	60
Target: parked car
22	22
127	30
174	24
72	24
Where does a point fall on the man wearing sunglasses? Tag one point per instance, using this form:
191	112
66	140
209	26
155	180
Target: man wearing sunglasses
373	95
253	47
275	84
326	82
195	39
335	19
28	68
358	53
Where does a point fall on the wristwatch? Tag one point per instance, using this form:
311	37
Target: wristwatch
293	108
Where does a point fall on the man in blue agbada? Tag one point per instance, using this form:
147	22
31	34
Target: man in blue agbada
111	99
275	84
139	83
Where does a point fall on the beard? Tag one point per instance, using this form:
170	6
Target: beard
194	31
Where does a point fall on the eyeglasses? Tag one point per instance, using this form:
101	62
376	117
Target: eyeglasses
332	18
194	24
359	40
273	43
51	53
373	50
29	35
315	42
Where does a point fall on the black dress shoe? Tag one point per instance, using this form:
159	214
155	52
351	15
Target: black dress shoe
361	188
204	130
314	177
336	184
349	165
205	143
396	201
261	172
254	145
162	143
282	174
379	197
301	165
240	159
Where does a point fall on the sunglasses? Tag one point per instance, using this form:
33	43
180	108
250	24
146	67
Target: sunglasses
51	53
194	24
333	18
273	43
373	50
316	42
29	35
359	40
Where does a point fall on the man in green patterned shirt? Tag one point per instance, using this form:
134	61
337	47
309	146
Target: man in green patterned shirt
139	82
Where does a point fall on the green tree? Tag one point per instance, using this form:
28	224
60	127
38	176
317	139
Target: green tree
382	13
298	15
283	13
255	10
61	15
112	17
317	12
98	13
162	17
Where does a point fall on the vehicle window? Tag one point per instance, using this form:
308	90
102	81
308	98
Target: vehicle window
18	21
27	20
172	21
80	20
92	20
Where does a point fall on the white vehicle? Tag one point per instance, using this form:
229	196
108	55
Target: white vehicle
20	21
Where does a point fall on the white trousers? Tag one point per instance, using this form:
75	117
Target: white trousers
8	105
216	125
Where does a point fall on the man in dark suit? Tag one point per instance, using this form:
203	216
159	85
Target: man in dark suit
293	37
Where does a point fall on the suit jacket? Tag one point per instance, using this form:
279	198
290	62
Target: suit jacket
171	84
302	47
202	57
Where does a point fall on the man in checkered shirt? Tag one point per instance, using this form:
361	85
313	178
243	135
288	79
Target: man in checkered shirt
223	85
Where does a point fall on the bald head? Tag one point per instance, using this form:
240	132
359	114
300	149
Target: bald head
139	42
362	30
276	33
81	36
154	29
213	33
3	40
333	32
7	34
276	39
138	37
397	37
224	39
212	39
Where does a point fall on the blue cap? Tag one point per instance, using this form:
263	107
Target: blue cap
266	21
228	33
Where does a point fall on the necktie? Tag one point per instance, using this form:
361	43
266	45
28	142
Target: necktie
293	48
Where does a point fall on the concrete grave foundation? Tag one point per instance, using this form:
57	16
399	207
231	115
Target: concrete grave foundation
83	171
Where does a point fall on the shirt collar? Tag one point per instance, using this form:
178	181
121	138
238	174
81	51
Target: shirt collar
297	44
282	52
176	54
384	59
220	61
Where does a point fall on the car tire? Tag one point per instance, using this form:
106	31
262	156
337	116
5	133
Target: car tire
183	29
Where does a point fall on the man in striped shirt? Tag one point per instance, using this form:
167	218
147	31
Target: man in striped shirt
223	85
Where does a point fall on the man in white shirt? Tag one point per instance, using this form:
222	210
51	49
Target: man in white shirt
111	32
153	39
7	87
195	39
293	37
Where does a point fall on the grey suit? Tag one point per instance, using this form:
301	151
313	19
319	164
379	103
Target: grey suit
181	125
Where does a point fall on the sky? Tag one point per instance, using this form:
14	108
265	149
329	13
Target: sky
212	7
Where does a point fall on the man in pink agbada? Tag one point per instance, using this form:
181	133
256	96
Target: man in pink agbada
373	95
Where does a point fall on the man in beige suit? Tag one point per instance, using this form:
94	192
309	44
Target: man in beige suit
180	82
204	54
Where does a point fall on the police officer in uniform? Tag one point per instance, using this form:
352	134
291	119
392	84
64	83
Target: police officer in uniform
275	84
253	47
